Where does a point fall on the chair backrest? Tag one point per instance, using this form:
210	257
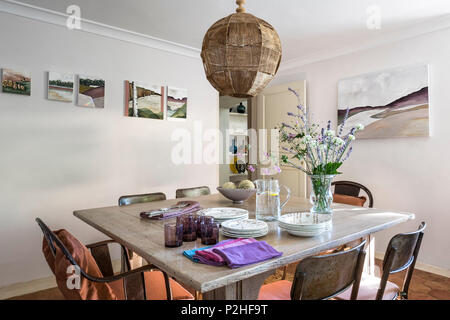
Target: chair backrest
59	257
326	276
141	198
193	192
350	188
401	254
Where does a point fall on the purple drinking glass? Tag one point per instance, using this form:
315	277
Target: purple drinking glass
173	235
190	228
210	233
203	220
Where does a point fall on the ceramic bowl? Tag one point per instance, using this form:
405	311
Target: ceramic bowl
238	196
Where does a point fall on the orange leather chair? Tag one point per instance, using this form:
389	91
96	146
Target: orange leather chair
86	273
347	192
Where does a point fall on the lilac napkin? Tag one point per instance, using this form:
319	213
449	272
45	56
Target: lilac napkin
208	256
246	254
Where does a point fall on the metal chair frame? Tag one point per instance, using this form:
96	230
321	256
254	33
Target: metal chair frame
133	280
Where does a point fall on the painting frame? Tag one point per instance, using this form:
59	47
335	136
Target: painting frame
60	86
144	101
16	82
391	103
91	91
177	103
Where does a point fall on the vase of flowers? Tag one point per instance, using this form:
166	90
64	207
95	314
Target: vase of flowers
319	152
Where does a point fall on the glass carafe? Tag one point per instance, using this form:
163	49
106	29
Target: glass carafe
268	204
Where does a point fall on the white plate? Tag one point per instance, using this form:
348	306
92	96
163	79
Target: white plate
245	232
305	228
305	221
232	235
223	214
305	233
239	218
245	225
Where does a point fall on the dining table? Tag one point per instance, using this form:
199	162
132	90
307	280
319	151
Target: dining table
146	238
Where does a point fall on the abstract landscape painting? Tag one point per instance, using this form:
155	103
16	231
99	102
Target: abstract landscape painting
177	103
144	101
60	87
389	104
91	92
16	82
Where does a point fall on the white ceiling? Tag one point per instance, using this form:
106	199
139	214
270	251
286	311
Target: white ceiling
307	28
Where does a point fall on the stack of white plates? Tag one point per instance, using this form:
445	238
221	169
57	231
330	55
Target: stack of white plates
224	214
305	224
247	228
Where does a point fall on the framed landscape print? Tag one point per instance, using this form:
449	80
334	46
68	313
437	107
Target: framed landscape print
60	87
144	101
390	104
91	92
177	100
16	82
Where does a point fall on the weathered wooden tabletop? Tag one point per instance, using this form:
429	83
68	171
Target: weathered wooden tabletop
146	238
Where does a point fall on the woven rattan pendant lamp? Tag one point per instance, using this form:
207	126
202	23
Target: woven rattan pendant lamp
241	54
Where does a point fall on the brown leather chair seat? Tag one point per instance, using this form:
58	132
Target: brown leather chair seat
279	290
352	201
155	287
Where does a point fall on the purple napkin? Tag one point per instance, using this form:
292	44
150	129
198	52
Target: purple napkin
190	207
246	254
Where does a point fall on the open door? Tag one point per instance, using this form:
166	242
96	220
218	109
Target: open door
269	111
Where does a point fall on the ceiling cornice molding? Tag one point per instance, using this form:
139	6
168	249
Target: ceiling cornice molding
58	18
395	36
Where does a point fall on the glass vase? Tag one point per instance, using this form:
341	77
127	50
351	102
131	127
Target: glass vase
321	195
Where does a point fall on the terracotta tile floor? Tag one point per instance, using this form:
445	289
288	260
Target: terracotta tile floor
424	286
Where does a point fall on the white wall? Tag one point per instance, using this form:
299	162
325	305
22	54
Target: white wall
56	157
408	174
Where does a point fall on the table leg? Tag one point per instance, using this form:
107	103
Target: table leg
247	289
369	263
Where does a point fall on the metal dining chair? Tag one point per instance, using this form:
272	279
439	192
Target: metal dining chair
141	198
352	189
135	199
321	277
401	254
94	266
192	192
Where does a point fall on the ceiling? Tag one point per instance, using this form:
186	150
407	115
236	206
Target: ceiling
306	27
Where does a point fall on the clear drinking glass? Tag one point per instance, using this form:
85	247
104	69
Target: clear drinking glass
268	206
173	235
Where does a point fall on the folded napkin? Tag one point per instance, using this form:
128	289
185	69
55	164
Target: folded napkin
190	254
208	256
246	254
182	207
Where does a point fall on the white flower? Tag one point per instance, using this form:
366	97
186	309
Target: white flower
330	133
351	137
313	143
338	141
307	139
359	127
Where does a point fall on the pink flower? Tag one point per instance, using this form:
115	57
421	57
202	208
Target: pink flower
251	168
278	169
